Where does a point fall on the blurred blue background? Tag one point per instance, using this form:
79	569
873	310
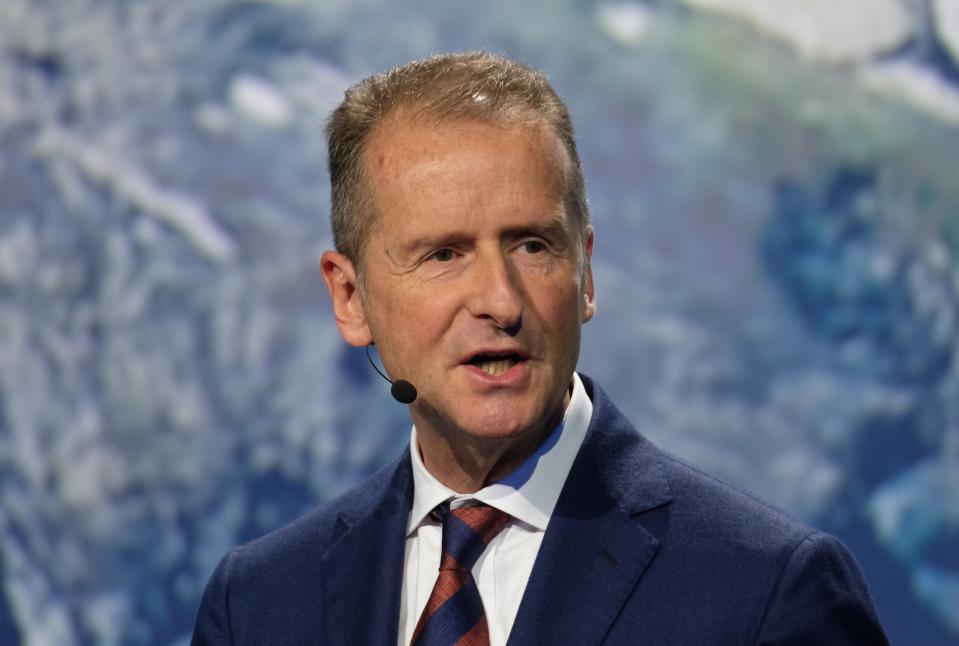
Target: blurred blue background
775	192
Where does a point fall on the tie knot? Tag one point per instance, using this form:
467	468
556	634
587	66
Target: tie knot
466	533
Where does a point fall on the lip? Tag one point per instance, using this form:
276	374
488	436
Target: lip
496	352
517	376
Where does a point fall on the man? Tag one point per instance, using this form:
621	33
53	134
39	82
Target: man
463	251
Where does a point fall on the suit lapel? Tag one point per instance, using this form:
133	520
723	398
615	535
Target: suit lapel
365	566
595	549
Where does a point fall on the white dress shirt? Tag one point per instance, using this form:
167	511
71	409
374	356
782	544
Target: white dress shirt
528	495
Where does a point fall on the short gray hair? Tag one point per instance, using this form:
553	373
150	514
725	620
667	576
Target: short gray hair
471	85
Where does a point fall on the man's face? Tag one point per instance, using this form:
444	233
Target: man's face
475	281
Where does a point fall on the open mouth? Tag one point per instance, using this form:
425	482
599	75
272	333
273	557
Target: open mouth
495	364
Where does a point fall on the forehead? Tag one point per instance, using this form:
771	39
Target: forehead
407	162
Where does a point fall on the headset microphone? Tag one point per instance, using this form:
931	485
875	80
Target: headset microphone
403	391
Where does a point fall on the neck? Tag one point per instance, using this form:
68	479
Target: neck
466	463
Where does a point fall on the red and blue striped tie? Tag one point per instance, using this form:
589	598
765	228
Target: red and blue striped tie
454	614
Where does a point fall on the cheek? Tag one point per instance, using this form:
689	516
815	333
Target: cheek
558	311
414	322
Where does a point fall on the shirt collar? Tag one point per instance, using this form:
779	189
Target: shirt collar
529	493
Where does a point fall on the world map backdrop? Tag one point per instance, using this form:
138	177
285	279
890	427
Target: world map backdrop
775	193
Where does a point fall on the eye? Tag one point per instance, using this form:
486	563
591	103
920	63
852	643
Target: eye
442	255
534	246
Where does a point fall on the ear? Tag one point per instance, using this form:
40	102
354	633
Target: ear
340	277
589	293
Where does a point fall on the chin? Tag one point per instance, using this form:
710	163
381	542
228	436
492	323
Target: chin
503	424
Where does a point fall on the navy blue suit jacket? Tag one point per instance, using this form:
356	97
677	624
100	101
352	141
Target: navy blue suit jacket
641	549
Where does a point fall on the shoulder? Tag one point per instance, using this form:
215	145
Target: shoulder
312	534
724	533
738	565
744	571
256	586
702	509
736	538
298	548
712	510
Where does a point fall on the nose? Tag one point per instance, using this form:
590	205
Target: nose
496	292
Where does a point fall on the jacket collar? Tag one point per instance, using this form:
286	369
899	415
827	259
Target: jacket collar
601	536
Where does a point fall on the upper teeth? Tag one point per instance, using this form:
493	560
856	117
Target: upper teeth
494	366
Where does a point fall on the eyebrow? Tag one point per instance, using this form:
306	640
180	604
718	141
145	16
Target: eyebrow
556	225
554	228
